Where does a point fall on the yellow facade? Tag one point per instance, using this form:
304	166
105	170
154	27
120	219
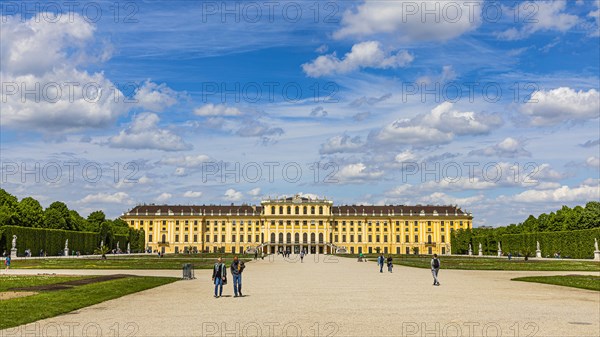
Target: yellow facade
299	223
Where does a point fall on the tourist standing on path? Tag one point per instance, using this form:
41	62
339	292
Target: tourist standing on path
219	276
301	256
237	267
7	261
380	261
389	263
256	255
435	268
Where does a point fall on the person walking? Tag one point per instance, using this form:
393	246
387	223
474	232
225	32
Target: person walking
435	268
219	277
237	267
390	265
255	255
7	261
380	261
302	257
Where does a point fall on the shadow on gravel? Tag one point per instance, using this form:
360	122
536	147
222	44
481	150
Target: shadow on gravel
74	283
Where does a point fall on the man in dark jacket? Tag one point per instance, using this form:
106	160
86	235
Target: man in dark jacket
380	262
219	275
435	268
237	267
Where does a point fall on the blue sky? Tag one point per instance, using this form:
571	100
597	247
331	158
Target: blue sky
487	105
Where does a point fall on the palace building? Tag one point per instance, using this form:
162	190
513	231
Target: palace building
299	223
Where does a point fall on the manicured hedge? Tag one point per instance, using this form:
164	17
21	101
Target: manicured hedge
52	241
575	244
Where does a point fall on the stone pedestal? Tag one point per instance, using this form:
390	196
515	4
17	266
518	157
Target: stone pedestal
499	253
538	253
13	253
480	253
597	255
470	252
66	251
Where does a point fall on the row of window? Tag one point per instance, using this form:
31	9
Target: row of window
288	222
297	210
259	238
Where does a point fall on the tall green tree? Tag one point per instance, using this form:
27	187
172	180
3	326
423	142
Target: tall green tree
30	213
63	210
54	219
95	220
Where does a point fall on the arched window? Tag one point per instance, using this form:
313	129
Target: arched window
289	210
280	237
297	210
280	209
305	211
297	238
272	209
320	237
305	237
320	209
272	237
312	209
312	237
289	237
428	238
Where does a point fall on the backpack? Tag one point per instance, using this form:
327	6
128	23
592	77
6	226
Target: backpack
436	263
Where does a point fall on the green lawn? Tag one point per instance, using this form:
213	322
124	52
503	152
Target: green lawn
576	281
45	304
483	263
124	262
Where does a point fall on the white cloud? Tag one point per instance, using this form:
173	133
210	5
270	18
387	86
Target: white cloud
363	55
340	144
560	105
217	110
125	183
439	126
144	133
256	128
356	172
595	31
562	194
180	172
115	198
593	162
233	195
254	192
405	156
545	16
403	20
439	198
190	161
164	197
508	148
192	194
46	54
155	97
458	184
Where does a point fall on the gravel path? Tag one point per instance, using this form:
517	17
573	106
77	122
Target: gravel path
329	296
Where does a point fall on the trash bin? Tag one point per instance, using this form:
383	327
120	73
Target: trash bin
188	271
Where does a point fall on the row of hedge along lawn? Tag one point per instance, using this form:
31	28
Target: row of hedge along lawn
588	282
489	263
123	261
43	304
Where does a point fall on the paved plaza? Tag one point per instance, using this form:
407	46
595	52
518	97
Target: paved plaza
329	296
